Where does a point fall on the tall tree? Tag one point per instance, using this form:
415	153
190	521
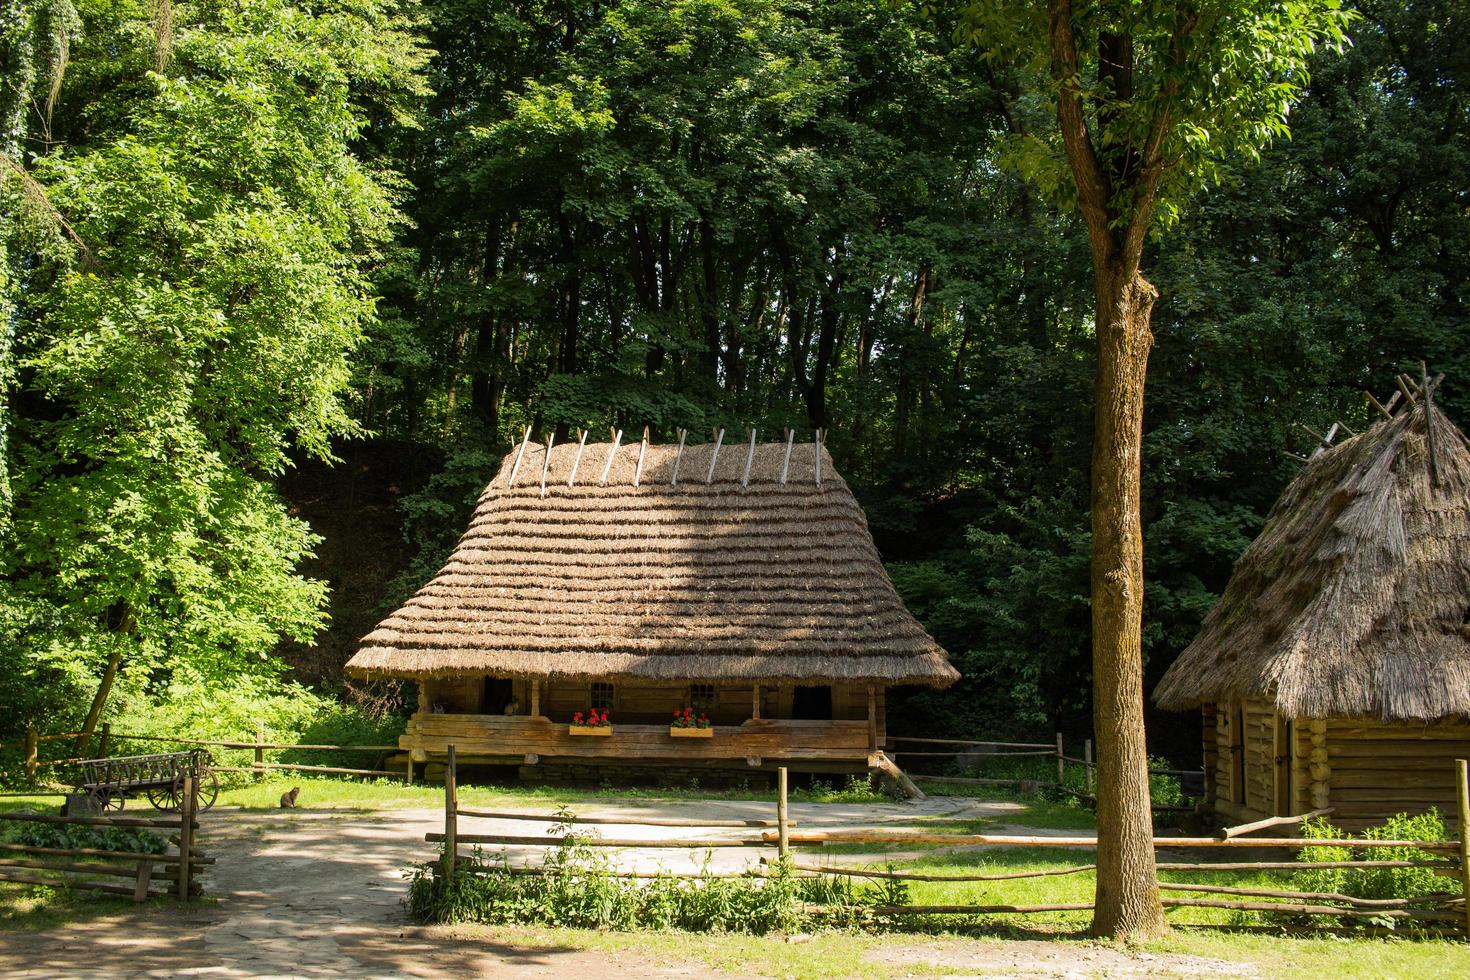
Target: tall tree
1149	97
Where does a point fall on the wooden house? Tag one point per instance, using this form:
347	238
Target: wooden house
739	580
1335	669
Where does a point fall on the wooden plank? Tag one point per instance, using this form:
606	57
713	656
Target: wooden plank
626	821
28	816
1246	828
548	841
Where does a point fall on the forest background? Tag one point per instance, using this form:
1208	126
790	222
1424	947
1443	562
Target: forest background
281	283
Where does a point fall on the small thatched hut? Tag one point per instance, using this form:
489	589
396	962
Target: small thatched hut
1335	670
739	580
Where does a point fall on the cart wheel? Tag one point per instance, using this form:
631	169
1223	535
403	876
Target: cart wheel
167	798
108	801
208	789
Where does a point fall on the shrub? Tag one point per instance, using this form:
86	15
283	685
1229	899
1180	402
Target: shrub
101	838
577	886
1374	883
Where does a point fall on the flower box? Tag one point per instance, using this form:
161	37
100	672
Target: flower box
589	729
691	732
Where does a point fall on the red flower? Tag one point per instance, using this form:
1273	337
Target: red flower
577	717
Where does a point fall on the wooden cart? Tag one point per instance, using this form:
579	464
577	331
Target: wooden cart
113	781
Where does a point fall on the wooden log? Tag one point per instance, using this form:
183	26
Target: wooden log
889	768
627	821
389	773
22	877
189	802
1210	867
30	817
982	840
97	852
681	876
783	830
77	867
1304	909
1061	763
259	751
140	884
956	741
1246	828
964	780
547	841
958	752
1462	782
451	814
226	744
1438	898
972	909
915	876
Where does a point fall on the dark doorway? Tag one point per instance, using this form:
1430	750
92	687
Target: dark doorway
812	703
497	694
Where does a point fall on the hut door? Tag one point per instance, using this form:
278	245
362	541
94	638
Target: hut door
812	703
1281	742
497	694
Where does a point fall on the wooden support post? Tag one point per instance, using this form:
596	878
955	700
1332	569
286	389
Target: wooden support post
31	763
1463	782
451	813
1087	756
1061	763
408	771
259	752
145	874
872	719
755	703
106	738
535	699
188	806
783	832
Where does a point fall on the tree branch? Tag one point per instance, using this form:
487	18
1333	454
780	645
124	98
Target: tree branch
1094	190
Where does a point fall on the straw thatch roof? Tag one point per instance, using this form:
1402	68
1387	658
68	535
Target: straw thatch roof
637	575
1354	599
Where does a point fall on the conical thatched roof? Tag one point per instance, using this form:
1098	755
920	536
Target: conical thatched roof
1353	601
637	575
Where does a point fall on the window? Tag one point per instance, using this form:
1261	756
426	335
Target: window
701	696
601	696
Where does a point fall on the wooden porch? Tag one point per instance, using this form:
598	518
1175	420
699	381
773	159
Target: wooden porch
529	740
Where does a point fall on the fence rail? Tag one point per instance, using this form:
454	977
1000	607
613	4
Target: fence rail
1445	912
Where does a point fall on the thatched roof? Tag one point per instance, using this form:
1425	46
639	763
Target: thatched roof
1353	600
703	578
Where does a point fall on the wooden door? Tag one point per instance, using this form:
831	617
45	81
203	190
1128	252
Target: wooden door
1283	748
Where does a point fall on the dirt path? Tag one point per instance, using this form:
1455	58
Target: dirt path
318	893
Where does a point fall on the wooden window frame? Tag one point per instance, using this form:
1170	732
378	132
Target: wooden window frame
612	695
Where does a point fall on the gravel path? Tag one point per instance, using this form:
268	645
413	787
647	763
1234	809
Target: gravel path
315	893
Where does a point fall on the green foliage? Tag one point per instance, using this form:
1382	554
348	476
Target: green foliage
578	887
1374	882
128	839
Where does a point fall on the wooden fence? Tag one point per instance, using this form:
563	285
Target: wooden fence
1444	912
259	767
79	868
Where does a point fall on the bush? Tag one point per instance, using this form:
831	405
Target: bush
577	887
101	838
1374	882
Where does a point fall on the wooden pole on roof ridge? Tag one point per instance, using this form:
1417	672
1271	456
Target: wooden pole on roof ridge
577	460
1404	387
749	458
786	463
1382	408
1427	390
607	467
679	457
525	440
546	463
719	438
642	451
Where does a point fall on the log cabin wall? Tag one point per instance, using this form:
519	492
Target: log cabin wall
1209	721
1376	770
1245	779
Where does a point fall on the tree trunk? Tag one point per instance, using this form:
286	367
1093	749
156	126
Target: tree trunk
1127	902
99	700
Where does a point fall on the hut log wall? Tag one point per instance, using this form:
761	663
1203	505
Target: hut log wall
1375	770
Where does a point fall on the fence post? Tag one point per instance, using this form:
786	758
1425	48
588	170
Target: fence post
106	738
259	751
408	775
31	752
783	834
1464	799
186	834
1061	772
1087	755
451	812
